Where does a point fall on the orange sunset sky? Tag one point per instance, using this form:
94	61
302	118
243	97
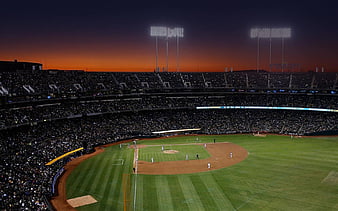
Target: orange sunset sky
106	38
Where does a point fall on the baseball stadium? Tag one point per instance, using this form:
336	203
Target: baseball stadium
241	140
114	106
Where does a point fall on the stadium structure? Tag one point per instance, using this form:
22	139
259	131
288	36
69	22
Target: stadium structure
47	113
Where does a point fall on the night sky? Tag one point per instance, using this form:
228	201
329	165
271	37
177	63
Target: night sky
102	36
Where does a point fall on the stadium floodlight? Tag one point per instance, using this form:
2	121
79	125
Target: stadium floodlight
161	31
270	33
158	31
166	32
175	32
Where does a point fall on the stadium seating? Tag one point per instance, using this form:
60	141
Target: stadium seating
44	114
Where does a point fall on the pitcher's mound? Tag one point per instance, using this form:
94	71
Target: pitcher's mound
170	151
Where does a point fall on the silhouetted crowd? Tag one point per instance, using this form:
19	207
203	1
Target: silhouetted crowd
37	85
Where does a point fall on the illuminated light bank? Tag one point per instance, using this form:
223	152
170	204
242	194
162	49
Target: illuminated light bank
162	31
269	108
175	131
270	33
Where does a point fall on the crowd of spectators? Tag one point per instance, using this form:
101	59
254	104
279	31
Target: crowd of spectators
25	150
34	132
16	116
40	84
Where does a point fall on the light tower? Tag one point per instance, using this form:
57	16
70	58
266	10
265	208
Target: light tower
157	31
167	33
270	33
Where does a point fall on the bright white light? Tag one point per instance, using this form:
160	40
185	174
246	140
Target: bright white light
270	33
161	31
158	31
175	32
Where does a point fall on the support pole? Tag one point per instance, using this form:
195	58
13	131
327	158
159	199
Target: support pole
270	53
178	55
156	43
167	67
282	54
257	53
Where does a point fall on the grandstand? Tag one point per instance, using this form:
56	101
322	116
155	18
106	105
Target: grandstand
44	114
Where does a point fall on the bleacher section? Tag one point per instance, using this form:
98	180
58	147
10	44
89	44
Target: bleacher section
88	83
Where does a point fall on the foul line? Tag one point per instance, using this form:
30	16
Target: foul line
135	182
135	160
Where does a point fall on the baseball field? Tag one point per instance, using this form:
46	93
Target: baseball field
194	173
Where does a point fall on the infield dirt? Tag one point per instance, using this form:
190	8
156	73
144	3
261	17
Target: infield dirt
220	158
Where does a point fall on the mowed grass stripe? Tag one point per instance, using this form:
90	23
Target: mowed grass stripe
265	200
239	190
101	177
109	191
234	190
190	194
113	183
314	158
163	194
117	192
112	190
204	190
81	176
279	189
126	169
138	179
177	196
271	179
301	198
304	165
150	201
273	163
105	178
321	157
92	181
101	191
74	178
290	170
332	160
217	194
92	174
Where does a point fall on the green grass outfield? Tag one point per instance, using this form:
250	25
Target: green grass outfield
280	173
